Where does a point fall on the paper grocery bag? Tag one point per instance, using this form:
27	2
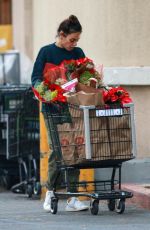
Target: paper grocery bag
90	98
100	146
79	141
83	98
87	89
99	139
66	138
76	113
120	137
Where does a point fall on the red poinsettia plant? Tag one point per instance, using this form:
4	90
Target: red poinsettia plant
116	95
64	77
71	73
46	92
83	69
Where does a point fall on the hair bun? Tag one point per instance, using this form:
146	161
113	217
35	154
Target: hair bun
73	19
70	25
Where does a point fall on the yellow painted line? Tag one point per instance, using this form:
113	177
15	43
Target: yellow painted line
86	175
44	152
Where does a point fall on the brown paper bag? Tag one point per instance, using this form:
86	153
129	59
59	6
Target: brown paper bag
120	137
75	113
83	98
66	138
79	141
90	98
99	139
100	146
110	137
86	89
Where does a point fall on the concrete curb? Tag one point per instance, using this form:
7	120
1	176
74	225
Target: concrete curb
141	194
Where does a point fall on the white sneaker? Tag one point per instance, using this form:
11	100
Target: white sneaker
75	205
47	202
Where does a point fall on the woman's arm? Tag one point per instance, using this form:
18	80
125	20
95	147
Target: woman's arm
37	74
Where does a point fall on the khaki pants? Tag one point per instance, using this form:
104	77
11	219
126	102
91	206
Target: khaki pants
55	157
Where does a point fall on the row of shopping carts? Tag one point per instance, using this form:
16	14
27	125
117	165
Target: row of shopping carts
19	137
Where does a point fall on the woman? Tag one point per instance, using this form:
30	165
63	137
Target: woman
68	34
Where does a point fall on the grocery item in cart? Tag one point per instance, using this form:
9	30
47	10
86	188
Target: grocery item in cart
83	98
110	136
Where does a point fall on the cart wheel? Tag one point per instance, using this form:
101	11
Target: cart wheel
29	190
111	205
94	207
54	205
37	188
120	206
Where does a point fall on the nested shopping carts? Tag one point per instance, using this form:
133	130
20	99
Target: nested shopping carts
20	114
93	137
10	97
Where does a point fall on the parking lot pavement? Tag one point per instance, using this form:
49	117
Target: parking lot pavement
17	212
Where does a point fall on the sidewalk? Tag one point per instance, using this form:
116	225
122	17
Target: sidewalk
17	212
141	194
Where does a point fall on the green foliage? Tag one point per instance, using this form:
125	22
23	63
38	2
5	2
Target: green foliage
85	76
49	95
41	88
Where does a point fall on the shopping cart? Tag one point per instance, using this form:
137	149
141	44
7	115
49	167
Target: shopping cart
10	99
93	137
20	114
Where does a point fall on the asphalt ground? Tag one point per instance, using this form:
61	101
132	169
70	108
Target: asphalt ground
17	212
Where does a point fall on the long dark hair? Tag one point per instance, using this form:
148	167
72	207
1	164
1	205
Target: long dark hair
70	25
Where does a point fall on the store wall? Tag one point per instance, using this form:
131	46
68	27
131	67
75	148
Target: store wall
141	98
115	32
22	17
